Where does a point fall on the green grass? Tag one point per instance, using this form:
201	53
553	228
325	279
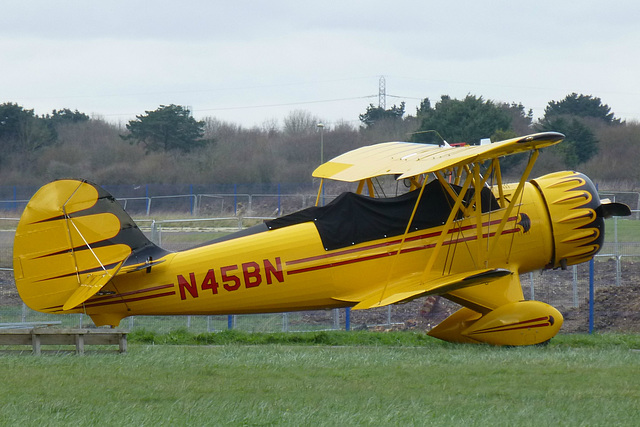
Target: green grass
576	380
628	230
331	338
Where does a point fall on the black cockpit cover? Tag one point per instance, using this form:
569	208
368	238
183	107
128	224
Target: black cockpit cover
351	218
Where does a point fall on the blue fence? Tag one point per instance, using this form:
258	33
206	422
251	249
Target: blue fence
191	199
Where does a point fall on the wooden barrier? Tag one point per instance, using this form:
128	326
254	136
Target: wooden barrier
37	337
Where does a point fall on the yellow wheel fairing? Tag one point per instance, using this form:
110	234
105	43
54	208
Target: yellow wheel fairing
516	323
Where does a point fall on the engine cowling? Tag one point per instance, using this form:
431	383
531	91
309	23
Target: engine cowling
573	204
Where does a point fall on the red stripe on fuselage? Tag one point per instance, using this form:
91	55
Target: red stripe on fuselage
139	291
124	300
102	299
386	244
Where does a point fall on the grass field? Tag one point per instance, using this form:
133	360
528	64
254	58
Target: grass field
576	380
628	229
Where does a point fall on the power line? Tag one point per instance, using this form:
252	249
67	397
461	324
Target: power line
287	104
246	107
405	97
190	91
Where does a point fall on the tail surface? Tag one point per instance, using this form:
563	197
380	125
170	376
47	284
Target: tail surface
72	238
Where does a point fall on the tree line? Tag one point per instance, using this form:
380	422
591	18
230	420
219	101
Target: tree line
168	145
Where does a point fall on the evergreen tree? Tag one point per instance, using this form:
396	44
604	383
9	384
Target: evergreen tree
170	127
580	106
580	143
375	115
467	120
22	131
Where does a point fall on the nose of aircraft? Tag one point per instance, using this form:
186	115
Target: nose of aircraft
577	216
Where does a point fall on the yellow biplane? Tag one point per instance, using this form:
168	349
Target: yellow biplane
459	232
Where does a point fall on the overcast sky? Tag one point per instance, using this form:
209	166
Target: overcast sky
249	62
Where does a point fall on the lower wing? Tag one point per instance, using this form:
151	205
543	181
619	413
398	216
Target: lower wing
413	287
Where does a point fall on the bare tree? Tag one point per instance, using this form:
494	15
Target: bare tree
300	122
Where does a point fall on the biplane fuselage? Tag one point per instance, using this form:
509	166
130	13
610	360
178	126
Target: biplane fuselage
289	268
443	238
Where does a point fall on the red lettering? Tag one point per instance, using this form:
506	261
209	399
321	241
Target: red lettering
227	279
231	280
275	271
191	287
251	273
210	282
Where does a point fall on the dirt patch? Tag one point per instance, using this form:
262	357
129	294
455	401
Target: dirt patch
616	306
616	309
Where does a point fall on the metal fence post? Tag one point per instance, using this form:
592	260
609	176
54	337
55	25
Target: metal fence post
235	199
616	246
192	200
279	201
591	295
531	287
154	232
148	199
575	285
347	319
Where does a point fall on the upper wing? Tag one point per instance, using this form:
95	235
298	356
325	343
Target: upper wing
408	159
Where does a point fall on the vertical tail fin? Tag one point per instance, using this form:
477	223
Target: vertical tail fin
72	238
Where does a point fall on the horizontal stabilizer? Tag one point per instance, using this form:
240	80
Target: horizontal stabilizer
89	286
412	288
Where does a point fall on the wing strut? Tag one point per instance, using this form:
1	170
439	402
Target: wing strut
445	229
90	284
404	237
477	179
68	220
319	191
370	188
514	200
498	174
